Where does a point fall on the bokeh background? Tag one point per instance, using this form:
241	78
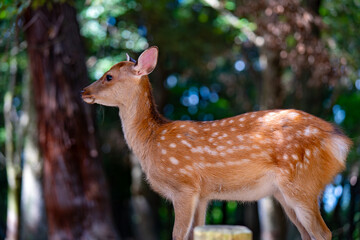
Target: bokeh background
65	170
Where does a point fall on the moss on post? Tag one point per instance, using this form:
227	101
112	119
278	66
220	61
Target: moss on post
222	232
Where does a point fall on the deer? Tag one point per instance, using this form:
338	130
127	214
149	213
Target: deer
284	153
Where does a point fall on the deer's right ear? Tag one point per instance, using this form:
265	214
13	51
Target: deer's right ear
147	61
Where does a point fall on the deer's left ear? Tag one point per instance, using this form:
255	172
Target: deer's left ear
147	61
130	59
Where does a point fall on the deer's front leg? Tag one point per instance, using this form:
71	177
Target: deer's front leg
184	206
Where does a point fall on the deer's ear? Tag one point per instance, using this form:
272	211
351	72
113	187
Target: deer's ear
147	61
130	59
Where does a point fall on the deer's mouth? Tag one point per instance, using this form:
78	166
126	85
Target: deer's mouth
88	99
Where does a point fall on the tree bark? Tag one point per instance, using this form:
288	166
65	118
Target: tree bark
271	215
76	198
271	93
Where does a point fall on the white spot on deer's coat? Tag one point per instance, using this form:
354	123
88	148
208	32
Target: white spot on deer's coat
285	157
163	151
233	129
198	149
186	143
178	135
220	148
215	134
174	160
292	166
245	160
206	129
307	152
169	169
224	135
172	145
293	115
240	137
162	138
299	165
242	119
219	164
307	131
189	168
211	152
252	115
310	130
193	130
229	142
183	171
182	126
222	154
229	151
213	124
270	117
164	131
295	157
231	121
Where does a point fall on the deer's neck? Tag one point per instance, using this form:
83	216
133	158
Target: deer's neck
140	121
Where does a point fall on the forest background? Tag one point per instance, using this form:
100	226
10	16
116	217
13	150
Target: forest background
65	170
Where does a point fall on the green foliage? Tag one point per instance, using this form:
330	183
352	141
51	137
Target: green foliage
343	19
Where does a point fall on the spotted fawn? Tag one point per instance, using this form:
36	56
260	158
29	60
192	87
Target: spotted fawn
288	154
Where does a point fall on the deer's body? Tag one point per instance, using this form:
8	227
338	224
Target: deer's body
288	154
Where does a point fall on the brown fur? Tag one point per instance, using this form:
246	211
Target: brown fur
289	154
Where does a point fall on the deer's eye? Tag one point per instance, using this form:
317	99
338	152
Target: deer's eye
108	77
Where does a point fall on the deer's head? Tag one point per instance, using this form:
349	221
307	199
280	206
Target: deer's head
120	84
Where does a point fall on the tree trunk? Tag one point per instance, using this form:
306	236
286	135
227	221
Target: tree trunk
271	93
272	217
76	198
